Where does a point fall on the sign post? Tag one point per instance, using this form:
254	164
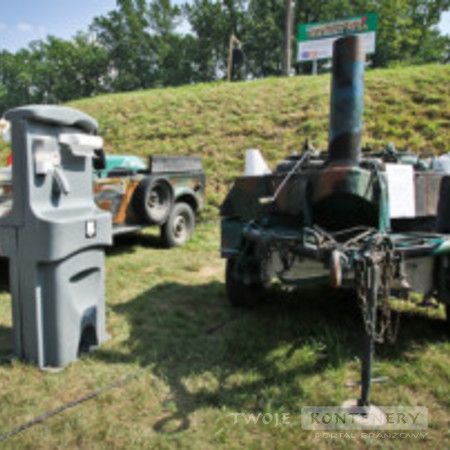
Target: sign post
315	40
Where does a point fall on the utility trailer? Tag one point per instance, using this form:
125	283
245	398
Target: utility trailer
377	224
168	193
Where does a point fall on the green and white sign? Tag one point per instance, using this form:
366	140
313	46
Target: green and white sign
315	40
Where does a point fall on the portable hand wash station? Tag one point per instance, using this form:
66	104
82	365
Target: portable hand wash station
55	236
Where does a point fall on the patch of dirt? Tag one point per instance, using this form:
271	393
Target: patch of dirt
207	272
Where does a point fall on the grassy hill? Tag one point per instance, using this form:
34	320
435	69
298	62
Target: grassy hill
408	106
197	361
219	121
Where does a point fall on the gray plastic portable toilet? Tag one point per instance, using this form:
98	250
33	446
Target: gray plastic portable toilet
55	236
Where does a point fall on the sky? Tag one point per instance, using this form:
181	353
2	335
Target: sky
23	21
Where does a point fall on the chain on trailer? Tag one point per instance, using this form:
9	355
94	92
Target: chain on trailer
379	252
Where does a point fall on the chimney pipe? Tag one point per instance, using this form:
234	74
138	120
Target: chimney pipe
347	101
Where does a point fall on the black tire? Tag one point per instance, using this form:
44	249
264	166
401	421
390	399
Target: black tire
240	294
179	227
153	200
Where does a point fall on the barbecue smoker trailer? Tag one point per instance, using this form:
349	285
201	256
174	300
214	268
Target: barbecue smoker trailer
375	224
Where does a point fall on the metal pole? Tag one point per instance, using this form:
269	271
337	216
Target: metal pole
314	67
230	57
287	58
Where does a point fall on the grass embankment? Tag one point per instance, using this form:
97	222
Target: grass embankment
218	121
166	310
409	107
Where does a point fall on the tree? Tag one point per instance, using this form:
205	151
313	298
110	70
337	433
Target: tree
15	79
174	51
405	30
52	71
263	37
131	50
213	22
163	17
65	70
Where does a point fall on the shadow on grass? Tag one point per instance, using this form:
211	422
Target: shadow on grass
126	243
212	356
415	328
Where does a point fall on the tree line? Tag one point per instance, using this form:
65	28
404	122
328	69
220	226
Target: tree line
148	44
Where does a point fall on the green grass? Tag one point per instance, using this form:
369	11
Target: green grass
167	312
298	349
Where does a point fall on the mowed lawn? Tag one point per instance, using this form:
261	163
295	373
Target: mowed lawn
203	362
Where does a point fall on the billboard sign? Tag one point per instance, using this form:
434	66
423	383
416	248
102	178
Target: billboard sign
315	40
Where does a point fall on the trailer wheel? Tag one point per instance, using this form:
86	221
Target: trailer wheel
240	294
152	200
179	227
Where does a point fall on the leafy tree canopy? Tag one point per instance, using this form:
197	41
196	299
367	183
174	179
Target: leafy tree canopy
143	44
